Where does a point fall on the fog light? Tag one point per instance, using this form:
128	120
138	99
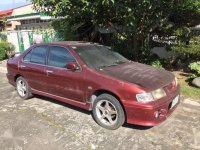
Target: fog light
156	114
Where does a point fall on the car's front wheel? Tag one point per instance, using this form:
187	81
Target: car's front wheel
108	112
23	89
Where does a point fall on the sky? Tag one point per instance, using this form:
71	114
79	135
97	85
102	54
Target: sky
9	4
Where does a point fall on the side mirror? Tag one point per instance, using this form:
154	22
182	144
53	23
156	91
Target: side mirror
72	66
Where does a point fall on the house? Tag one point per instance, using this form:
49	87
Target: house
3	24
24	26
24	18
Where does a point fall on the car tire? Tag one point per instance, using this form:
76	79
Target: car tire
108	112
23	88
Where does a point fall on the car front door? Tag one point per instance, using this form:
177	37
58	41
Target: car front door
61	81
32	67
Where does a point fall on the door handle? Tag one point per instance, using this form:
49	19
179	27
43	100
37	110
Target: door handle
49	72
22	66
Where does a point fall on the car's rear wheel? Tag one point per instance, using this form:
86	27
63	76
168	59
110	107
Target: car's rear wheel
108	112
23	89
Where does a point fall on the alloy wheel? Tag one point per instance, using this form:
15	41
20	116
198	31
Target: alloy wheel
21	88
106	112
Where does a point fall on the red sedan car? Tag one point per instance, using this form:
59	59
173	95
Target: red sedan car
95	78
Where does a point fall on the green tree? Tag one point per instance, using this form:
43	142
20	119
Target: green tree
132	20
186	13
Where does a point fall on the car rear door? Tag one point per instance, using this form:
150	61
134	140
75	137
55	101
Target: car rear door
61	81
32	67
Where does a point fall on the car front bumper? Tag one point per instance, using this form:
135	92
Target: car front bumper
152	113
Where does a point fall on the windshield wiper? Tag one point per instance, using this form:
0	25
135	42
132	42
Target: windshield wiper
104	66
120	62
114	64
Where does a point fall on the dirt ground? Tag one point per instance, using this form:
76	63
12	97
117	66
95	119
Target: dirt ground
41	123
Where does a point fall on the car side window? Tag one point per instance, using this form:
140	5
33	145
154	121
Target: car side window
39	55
59	57
27	57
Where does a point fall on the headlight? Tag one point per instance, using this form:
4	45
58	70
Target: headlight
144	97
158	94
148	97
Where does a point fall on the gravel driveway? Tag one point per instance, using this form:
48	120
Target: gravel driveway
41	123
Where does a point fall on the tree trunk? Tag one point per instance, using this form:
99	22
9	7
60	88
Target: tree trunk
135	47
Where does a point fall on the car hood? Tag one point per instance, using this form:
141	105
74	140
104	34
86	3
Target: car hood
143	75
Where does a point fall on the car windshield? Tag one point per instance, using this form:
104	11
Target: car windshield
98	56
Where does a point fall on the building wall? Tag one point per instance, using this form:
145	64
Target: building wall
25	18
13	25
27	9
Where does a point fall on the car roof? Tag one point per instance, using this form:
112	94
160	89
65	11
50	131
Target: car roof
68	43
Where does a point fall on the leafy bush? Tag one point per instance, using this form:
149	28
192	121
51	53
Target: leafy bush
156	63
2	53
6	49
64	30
188	52
188	49
3	37
195	66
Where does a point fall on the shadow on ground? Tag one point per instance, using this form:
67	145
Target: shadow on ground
126	125
62	104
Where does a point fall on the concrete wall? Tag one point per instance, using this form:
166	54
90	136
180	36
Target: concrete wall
27	9
23	39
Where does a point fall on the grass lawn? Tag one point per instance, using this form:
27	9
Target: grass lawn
186	89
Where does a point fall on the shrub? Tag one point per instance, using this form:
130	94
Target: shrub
6	49
3	37
188	52
195	66
156	63
2	53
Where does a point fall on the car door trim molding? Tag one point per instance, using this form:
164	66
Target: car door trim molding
58	96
